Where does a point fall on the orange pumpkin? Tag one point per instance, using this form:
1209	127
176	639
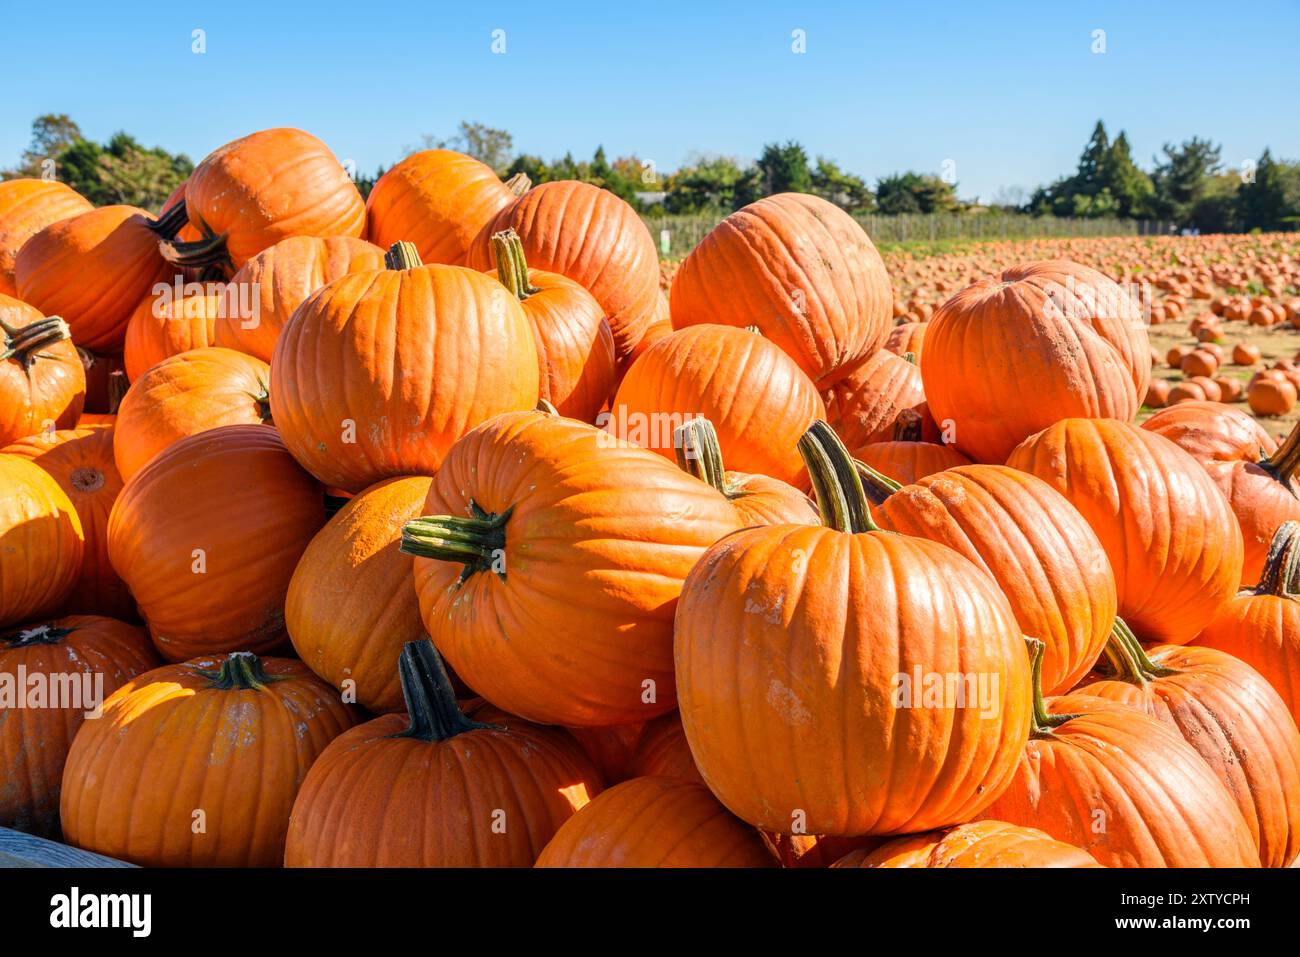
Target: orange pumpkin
907	459
41	541
978	844
42	380
1210	431
162	327
863	406
662	751
26	207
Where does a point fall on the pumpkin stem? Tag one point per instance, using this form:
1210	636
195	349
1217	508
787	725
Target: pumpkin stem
544	405
1128	658
402	255
838	489
26	342
519	184
695	443
1282	566
46	634
171	222
907	426
910	357
1042	721
210	251
876	485
512	269
430	699
477	542
262	399
241	671
1283	463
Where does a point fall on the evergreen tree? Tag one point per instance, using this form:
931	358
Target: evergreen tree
1180	179
1131	188
784	169
843	189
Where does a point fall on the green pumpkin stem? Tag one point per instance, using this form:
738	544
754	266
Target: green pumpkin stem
209	253
519	184
841	500
1042	722
876	485
1281	576
512	268
695	443
241	671
262	399
476	541
1128	658
1283	463
544	405
430	699
46	634
910	357
171	222
402	255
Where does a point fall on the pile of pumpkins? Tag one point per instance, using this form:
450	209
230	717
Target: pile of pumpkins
427	531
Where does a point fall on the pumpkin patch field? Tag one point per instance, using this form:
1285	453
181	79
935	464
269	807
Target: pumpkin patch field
449	527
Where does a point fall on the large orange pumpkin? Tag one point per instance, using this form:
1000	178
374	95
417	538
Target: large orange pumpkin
380	372
907	458
207	535
162	326
26	207
1172	540
41	541
1213	431
42	379
800	269
978	844
864	405
805	655
662	751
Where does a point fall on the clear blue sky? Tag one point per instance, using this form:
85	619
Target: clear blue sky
1009	92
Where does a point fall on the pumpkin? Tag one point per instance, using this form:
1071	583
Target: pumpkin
1234	720
800	269
26	207
575	348
92	270
906	337
864	405
267	289
81	462
184	395
78	660
1123	786
1210	431
549	564
1062	332
594	238
759	499
41	541
255	191
198	764
662	751
655	822
206	536
978	844
1173	542
162	326
380	372
792	641
351	605
437	199
907	458
1269	397
436	788
610	748
42	380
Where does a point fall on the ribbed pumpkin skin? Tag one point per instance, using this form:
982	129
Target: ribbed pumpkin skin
271	185
34	741
906	337
26	207
762	500
1173	542
591	236
788	642
81	461
978	844
277	280
351	604
1212	431
600	540
1039	550
1234	719
907	462
196	495
182	396
41	542
437	199
799	268
863	406
662	751
48	392
414	358
1127	789
1264	632
1033	329
754	394
655	822
92	270
375	800
169	745
1261	504
161	328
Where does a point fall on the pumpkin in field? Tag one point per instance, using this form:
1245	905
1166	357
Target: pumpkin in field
594	238
907	458
437	199
800	269
81	462
1234	719
207	535
380	372
1011	354
162	326
1211	431
42	380
662	751
26	207
549	564
805	654
267	289
978	844
1046	559
575	348
184	395
220	741
1123	786
754	394
92	270
759	499
1173	542
262	188
351	605
864	405
99	655
655	822
906	337
41	541
437	788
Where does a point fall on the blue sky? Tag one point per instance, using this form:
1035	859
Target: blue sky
1007	91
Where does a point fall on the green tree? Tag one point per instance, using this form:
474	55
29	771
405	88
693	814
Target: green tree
1216	210
841	188
534	167
605	175
784	169
486	144
1131	188
1272	201
1181	178
915	193
52	135
1089	178
707	185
